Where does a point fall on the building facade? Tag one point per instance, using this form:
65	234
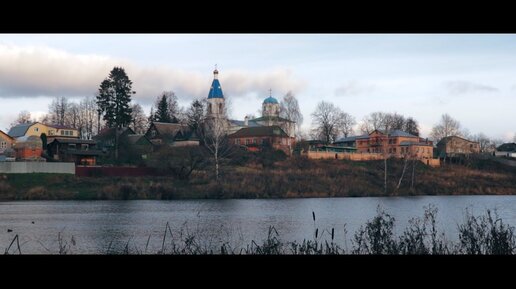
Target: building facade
6	142
258	138
78	151
455	146
38	129
396	143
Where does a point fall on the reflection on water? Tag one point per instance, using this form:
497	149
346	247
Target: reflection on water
101	225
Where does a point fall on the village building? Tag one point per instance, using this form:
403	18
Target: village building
29	148
38	129
258	138
78	151
6	142
172	134
396	143
506	150
456	147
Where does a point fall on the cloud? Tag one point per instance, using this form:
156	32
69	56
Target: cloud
33	71
466	87
353	88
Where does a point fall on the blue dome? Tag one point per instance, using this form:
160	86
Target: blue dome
270	99
215	90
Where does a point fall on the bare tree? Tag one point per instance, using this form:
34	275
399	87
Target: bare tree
383	121
289	109
327	122
58	109
348	122
89	117
72	116
23	117
216	141
483	142
446	127
138	119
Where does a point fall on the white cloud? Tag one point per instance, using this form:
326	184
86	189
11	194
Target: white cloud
32	71
353	88
465	87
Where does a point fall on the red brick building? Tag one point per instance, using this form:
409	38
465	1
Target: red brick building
396	143
255	138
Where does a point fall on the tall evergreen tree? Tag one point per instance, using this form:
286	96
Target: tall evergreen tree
162	112
114	98
195	116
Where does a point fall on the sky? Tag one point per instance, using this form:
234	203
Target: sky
472	77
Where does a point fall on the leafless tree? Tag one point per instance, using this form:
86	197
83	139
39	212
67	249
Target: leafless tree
72	116
289	109
327	122
383	121
216	141
483	141
446	127
58	109
138	119
23	117
348	122
89	117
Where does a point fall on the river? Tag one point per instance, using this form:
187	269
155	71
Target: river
102	226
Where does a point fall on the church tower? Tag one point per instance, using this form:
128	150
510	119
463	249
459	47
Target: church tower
216	107
270	106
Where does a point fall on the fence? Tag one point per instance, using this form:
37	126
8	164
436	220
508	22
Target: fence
36	167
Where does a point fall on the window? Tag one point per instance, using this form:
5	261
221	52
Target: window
84	146
36	129
263	141
254	141
71	146
246	141
394	150
3	145
62	132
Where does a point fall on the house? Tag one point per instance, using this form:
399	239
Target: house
455	146
6	142
173	134
106	138
350	141
256	138
141	144
28	148
78	151
506	150
38	129
395	143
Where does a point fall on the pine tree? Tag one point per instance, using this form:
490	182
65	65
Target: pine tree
195	116
162	112
114	98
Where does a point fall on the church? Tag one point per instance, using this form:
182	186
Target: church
268	128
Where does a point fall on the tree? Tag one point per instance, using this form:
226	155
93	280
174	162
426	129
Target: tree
195	116
446	127
139	119
328	122
483	141
114	98
289	109
58	109
23	117
348	121
411	126
216	141
167	108
89	116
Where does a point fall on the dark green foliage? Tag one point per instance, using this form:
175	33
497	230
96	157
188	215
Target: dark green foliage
166	108
114	98
195	116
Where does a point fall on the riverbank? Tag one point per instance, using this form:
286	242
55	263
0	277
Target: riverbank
293	178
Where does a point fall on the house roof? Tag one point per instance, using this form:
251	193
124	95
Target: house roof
351	138
72	141
6	135
107	133
19	130
411	143
165	128
259	131
273	118
250	123
445	140
398	132
507	147
134	138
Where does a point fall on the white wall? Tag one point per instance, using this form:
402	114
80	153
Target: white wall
36	167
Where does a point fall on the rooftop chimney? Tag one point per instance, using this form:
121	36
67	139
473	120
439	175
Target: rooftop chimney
246	121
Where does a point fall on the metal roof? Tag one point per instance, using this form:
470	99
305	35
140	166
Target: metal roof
270	99
19	130
250	123
215	90
398	132
259	131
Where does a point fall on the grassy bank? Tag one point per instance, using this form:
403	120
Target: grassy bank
292	178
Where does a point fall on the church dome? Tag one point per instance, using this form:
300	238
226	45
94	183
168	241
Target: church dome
270	99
